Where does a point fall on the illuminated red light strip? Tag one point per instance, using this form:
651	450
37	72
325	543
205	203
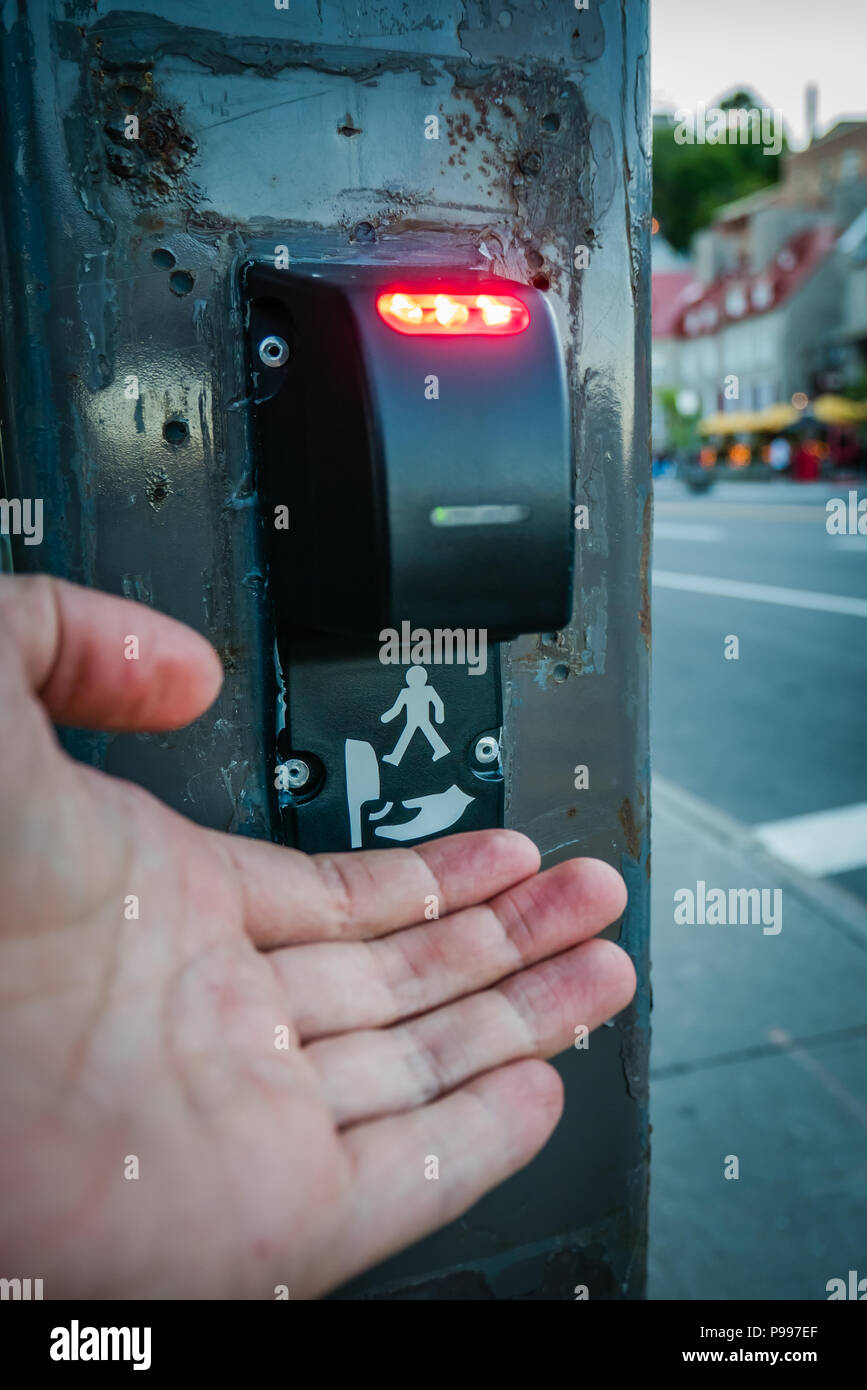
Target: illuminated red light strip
443	313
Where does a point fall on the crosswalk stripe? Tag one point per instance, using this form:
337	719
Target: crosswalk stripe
825	842
760	593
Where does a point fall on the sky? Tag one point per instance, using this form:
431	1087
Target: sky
702	49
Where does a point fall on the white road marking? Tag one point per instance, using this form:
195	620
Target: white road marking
761	593
715	832
826	842
687	531
820	1073
746	511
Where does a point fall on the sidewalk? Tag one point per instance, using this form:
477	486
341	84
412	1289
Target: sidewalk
759	1051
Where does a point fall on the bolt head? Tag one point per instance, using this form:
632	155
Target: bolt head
297	773
487	749
273	351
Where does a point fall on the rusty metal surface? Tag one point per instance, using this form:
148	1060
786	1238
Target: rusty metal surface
306	128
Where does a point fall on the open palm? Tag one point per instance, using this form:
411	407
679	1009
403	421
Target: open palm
228	1066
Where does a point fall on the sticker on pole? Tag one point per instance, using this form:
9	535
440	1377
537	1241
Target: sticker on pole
421	816
407	749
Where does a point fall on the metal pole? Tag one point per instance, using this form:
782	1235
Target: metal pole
513	135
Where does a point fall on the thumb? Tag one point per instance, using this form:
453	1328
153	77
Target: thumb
107	663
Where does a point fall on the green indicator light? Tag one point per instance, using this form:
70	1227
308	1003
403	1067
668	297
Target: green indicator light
483	514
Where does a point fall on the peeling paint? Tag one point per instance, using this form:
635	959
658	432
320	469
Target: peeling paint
644	617
626	817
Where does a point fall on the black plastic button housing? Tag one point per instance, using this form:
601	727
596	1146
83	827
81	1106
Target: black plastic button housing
428	478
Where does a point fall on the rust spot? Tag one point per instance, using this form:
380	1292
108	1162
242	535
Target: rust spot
206	220
157	489
163	139
626	816
644	611
230	657
155	158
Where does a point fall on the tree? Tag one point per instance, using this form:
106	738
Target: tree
681	429
692	182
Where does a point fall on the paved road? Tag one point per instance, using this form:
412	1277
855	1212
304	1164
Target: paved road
782	731
759	1037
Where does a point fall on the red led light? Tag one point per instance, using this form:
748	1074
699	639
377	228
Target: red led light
440	312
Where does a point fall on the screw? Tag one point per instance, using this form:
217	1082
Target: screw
273	351
297	773
487	749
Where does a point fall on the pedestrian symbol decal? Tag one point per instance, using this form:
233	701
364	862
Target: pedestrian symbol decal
417	699
436	811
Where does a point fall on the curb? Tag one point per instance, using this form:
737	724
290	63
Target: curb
839	908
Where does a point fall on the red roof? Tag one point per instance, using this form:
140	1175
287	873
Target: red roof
665	297
740	295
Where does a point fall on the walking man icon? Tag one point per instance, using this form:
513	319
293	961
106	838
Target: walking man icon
418	699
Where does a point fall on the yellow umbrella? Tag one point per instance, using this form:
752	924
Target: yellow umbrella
776	417
838	410
728	422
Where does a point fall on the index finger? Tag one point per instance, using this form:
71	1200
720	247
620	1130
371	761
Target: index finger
290	897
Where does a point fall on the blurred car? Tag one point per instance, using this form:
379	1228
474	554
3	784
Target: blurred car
698	470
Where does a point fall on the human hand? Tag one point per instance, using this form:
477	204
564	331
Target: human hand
280	1041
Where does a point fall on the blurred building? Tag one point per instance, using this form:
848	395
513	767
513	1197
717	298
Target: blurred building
850	344
671	277
777	302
